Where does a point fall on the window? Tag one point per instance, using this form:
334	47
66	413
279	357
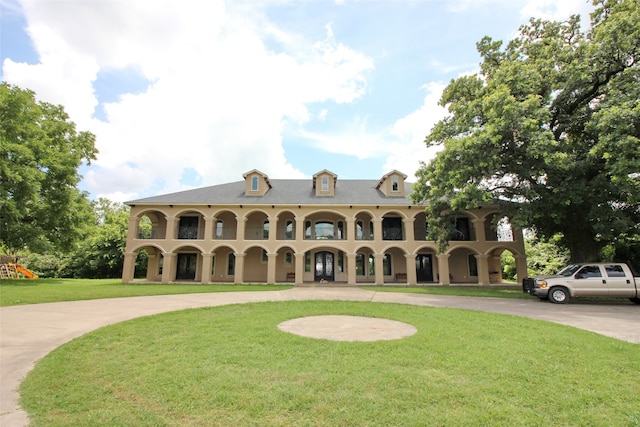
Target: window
188	228
360	264
325	184
614	271
231	265
307	261
288	230
386	264
254	183
359	230
307	229
288	258
473	265
589	271
324	230
265	257
340	230
394	184
372	265
265	230
340	261
219	229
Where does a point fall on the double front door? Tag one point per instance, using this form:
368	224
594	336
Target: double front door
324	266
424	268
186	269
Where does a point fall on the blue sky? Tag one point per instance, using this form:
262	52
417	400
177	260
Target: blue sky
195	93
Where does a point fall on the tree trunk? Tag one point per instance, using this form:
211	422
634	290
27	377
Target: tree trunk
584	249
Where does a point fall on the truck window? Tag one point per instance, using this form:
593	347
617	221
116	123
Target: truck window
569	270
589	271
614	271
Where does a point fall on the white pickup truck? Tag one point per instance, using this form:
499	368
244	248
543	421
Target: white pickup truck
586	280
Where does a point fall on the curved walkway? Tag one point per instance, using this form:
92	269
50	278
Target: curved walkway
29	332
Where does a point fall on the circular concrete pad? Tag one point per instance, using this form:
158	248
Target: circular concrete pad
348	328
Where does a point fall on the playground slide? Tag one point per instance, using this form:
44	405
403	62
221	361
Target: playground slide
28	274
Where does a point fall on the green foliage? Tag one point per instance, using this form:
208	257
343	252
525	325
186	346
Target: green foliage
551	128
101	255
41	207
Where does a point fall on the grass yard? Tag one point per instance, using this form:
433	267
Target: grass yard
17	292
231	365
502	291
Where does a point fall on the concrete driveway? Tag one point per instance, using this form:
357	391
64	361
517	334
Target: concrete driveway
29	332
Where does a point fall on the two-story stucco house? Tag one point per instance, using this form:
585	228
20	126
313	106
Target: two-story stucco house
321	230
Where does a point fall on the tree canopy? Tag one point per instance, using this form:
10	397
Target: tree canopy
41	206
550	129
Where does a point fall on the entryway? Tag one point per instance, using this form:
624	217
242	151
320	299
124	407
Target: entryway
424	268
186	269
324	266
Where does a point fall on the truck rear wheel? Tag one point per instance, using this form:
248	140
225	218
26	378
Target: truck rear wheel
559	295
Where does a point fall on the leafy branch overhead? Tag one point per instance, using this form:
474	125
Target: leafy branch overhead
551	125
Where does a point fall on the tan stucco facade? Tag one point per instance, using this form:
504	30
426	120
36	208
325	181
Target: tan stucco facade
323	243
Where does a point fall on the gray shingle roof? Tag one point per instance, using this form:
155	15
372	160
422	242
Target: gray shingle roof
283	192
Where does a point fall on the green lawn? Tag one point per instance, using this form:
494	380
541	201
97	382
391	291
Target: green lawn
17	292
231	365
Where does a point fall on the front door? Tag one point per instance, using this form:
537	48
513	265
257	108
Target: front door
186	266
324	266
424	269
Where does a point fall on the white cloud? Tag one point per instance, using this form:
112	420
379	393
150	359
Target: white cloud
402	144
218	97
412	130
556	10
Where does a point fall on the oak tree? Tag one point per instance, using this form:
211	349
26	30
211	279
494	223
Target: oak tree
41	206
549	128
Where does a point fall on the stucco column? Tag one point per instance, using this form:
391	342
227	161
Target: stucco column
351	269
378	268
132	231
299	280
478	227
412	278
240	226
128	267
271	264
238	274
152	267
170	234
482	262
209	224
273	229
377	229
408	230
521	267
443	269
351	229
168	267
299	237
207	263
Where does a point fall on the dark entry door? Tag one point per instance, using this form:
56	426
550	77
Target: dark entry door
324	266
186	266
424	269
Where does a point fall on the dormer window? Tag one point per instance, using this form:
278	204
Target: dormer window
256	183
324	183
392	184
